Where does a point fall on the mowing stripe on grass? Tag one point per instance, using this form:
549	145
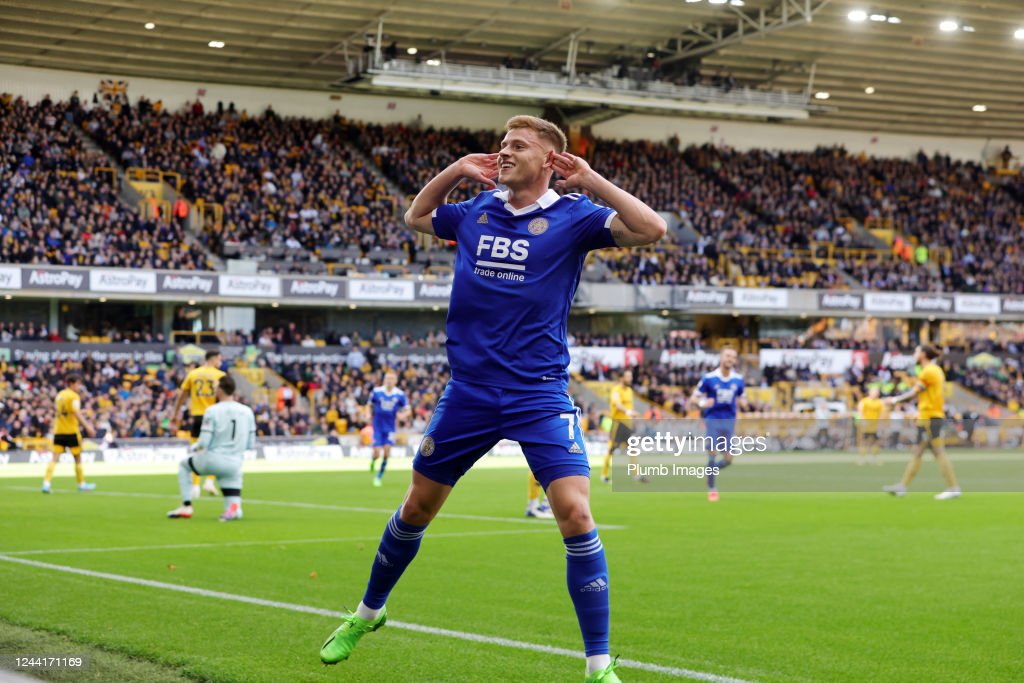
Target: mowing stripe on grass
448	633
230	544
316	506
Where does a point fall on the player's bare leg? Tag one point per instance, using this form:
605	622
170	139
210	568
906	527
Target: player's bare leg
80	472
385	454
50	467
913	467
946	467
721	464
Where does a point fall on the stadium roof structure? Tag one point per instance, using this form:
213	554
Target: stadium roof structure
890	68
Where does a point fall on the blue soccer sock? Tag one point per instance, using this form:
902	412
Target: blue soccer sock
711	475
587	578
397	547
383	466
722	464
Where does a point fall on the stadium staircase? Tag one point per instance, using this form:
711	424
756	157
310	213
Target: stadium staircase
964	399
251	385
582	394
393	189
133	197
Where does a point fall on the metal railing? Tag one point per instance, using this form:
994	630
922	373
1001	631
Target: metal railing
595	82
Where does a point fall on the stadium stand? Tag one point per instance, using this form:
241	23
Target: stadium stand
59	206
298	196
293	195
128	400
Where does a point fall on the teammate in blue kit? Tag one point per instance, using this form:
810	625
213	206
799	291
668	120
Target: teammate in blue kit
717	395
520	255
387	403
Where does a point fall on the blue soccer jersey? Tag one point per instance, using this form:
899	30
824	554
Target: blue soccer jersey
725	391
386	406
516	273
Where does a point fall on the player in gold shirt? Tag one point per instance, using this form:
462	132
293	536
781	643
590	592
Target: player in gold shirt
66	433
930	415
620	410
200	386
869	411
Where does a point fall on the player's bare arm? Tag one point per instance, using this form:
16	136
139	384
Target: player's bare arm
482	168
698	399
86	424
623	409
176	411
906	396
636	223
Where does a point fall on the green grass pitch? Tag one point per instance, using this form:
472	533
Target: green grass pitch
759	587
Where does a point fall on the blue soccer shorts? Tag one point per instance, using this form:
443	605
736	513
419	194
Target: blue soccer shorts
383	437
719	429
471	418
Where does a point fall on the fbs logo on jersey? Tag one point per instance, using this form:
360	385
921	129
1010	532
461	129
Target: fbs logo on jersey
490	246
483	219
575	448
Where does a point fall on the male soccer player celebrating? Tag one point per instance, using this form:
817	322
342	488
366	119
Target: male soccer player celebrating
201	387
869	410
520	255
66	434
620	406
717	394
227	432
387	403
930	415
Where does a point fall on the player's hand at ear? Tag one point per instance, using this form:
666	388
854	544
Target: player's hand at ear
574	170
482	168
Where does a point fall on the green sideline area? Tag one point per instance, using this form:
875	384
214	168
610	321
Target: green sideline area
766	587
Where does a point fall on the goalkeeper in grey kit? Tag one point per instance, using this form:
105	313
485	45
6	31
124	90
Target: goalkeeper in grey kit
228	431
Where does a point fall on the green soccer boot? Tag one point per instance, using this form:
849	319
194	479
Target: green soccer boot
605	675
339	645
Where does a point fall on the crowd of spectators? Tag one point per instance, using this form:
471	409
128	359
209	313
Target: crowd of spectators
1004	385
290	334
105	331
57	207
412	154
283	182
125	399
939	204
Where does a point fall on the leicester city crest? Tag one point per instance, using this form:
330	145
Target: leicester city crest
538	226
427	447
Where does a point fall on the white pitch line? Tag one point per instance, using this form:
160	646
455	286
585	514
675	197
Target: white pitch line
448	633
298	541
322	506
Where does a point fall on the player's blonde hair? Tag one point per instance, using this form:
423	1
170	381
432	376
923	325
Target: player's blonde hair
545	129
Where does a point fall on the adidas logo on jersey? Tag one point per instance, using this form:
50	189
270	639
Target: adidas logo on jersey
482	219
595	586
575	448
